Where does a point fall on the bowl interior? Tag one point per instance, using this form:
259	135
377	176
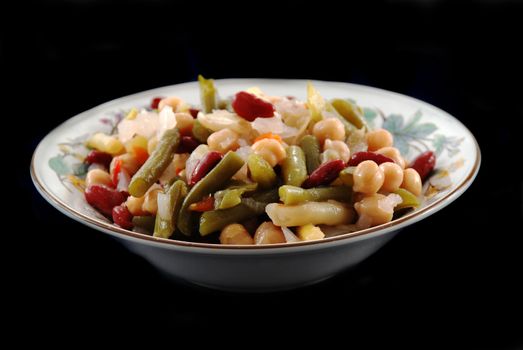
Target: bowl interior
417	126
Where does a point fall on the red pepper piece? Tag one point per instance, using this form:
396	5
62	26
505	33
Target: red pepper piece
250	107
324	174
204	166
140	154
122	216
205	204
359	157
187	144
104	198
116	170
99	157
155	102
424	164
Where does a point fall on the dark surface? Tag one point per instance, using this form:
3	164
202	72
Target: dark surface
453	279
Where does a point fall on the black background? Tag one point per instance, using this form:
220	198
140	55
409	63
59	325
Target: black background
453	279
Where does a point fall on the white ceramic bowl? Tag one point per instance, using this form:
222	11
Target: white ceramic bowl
416	125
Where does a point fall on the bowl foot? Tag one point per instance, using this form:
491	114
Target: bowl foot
254	290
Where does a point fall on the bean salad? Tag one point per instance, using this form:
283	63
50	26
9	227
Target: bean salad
250	169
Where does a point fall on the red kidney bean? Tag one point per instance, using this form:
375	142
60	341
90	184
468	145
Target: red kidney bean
324	174
250	107
155	102
187	144
104	198
122	216
424	164
194	112
204	166
99	157
359	157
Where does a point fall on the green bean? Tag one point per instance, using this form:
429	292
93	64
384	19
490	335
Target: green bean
349	127
232	196
311	148
208	94
215	220
200	132
346	176
144	222
409	200
161	157
268	196
165	226
291	195
293	167
261	171
210	183
350	111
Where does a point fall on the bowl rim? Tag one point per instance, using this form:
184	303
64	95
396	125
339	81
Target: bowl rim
396	224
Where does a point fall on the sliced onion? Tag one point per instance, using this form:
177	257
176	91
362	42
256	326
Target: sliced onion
289	235
166	121
274	125
146	124
357	142
242	174
164	206
123	181
222	119
388	203
294	114
441	180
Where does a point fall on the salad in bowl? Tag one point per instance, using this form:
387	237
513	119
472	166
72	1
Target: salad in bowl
251	169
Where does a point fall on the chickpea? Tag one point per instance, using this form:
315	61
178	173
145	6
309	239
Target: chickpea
394	154
184	122
271	150
393	176
135	204
330	128
377	139
98	177
333	150
268	233
411	181
150	203
174	101
151	144
371	212
235	234
368	177
223	140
